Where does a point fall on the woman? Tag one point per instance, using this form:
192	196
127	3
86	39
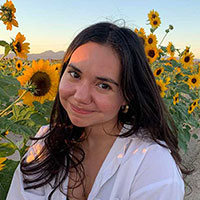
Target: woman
110	135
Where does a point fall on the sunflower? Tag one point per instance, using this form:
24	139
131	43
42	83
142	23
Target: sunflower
19	65
141	33
1	161
162	87
157	72
10	5
7	15
194	80
176	99
151	40
44	78
170	49
151	53
6	133
10	23
57	67
187	59
191	109
186	50
21	49
153	15
195	103
155	23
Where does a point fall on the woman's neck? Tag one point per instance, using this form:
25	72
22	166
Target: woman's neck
99	137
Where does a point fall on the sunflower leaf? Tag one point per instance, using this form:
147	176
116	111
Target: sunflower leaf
7	50
4	95
38	119
3	43
195	136
6	177
7	149
168	68
182	144
179	77
164	49
20	129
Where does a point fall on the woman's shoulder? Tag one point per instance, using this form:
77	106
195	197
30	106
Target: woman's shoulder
42	131
37	145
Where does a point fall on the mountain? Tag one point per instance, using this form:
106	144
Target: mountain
52	55
44	55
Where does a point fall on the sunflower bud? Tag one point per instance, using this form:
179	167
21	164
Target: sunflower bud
171	27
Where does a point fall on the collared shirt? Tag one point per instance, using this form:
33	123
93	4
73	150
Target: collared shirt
134	169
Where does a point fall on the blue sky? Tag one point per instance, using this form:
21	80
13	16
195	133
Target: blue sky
52	24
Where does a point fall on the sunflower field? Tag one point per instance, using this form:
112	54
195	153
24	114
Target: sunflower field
28	89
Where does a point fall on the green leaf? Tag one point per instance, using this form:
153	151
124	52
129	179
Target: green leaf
7	50
3	43
183	88
38	119
43	109
179	77
7	149
182	144
4	95
168	68
195	136
6	177
24	130
164	49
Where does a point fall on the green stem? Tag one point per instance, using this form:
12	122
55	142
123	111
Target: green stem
162	39
13	103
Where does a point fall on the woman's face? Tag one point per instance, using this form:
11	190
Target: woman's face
90	86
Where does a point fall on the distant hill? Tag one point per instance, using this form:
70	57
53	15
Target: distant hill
44	55
51	55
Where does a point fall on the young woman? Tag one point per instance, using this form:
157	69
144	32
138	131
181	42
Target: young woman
110	135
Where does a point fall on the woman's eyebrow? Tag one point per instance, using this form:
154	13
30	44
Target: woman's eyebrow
75	68
108	80
98	77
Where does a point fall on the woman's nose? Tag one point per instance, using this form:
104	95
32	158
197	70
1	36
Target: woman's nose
83	93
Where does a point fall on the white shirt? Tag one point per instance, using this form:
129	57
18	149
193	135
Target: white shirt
134	169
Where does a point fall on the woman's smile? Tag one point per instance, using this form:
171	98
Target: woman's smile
80	110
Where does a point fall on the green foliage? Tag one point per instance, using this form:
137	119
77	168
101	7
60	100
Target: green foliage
6	176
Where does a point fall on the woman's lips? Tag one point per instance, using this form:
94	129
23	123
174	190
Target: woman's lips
80	110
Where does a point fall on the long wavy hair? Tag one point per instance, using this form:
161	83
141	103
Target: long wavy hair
146	110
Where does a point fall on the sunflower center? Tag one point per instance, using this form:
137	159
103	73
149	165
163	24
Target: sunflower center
187	59
18	46
18	65
176	98
194	104
151	53
190	108
194	80
42	82
155	22
153	16
158	72
150	40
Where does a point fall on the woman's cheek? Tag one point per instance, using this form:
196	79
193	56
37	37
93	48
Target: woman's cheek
65	90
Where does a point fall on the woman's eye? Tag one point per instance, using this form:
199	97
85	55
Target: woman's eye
104	86
74	74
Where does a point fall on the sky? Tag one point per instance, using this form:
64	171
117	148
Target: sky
52	24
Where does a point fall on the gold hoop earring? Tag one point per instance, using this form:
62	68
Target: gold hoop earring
125	108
